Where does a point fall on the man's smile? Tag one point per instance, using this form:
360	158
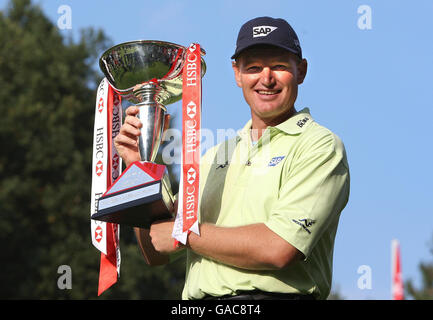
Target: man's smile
267	92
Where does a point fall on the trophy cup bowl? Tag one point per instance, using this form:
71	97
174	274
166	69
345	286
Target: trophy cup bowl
148	74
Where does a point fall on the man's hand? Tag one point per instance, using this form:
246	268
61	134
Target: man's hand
126	142
162	239
160	234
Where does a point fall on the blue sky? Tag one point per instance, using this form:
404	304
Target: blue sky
372	87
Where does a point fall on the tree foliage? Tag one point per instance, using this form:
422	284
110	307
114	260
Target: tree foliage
426	290
47	97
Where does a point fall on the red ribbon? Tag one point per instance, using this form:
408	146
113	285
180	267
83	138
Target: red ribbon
191	125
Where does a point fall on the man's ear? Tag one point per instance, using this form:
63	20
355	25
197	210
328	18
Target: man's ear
237	72
302	70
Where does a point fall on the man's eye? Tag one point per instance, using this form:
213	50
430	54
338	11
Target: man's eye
253	69
280	67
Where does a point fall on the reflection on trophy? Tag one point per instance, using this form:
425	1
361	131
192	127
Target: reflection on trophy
149	75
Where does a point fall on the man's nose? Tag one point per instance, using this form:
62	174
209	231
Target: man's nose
267	77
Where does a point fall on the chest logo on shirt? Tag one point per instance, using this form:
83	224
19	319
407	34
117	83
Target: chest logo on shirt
275	160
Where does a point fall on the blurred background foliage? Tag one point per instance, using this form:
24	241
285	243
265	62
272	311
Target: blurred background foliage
47	101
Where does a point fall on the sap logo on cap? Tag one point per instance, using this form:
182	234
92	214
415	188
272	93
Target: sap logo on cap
262	31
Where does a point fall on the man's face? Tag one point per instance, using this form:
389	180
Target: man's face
269	77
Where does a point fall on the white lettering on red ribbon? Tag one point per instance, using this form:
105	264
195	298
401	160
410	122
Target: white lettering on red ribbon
188	202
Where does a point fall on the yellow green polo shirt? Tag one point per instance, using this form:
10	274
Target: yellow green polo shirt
295	180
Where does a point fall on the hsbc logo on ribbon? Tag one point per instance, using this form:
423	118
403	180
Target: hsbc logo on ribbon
99	168
115	162
192	48
191	175
101	105
98	234
191	109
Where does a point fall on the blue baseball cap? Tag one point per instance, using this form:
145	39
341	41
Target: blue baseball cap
269	31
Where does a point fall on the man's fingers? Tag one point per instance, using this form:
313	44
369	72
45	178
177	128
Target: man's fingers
126	140
131	117
130	130
131	111
128	135
133	121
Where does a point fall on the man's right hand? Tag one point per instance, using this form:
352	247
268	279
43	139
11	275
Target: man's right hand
126	142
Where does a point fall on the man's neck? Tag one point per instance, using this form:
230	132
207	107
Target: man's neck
259	125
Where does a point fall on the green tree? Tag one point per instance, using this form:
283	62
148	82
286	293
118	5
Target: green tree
47	97
426	290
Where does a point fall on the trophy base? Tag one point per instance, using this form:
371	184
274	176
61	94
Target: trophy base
139	197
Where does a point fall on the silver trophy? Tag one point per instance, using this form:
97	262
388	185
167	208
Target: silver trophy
148	74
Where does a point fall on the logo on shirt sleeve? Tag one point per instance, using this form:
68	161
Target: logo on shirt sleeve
305	223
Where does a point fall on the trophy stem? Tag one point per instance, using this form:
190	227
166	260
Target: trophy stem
152	115
148	93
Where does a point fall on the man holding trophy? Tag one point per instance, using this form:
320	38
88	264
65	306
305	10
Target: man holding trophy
270	198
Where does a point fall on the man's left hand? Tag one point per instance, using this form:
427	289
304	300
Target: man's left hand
160	234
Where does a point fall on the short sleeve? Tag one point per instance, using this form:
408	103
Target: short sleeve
314	191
